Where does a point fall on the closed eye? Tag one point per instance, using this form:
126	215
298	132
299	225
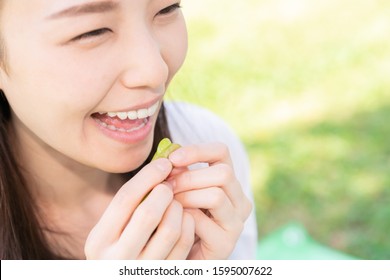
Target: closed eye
91	34
169	9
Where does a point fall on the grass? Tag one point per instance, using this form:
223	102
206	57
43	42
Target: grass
305	85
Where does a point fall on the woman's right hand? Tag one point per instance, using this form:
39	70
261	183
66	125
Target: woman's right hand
154	228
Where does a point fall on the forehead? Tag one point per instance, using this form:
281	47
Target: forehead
86	8
17	14
47	7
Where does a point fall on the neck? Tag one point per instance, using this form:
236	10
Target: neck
56	179
70	196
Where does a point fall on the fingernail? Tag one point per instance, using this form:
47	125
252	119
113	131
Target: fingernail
163	165
177	156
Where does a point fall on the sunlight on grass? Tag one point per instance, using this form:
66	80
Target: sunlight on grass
305	84
255	56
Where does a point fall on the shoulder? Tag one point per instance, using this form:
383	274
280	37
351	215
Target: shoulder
189	123
192	124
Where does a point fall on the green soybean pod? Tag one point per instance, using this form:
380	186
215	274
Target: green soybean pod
165	148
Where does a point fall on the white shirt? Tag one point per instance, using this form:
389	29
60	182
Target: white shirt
190	124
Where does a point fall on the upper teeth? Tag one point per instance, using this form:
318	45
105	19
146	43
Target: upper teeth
133	115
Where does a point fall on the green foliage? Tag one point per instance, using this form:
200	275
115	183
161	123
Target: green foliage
305	85
334	178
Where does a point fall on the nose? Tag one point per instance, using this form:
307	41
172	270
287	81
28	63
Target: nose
144	63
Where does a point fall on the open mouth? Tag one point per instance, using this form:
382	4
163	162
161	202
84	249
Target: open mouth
127	122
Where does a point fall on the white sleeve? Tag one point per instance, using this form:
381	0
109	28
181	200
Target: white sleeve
190	124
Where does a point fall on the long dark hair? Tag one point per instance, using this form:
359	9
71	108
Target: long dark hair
21	232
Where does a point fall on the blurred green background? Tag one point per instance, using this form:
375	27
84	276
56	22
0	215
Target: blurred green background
305	84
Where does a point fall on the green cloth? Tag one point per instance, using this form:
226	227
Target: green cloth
292	242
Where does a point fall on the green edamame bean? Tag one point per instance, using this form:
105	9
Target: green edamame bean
165	148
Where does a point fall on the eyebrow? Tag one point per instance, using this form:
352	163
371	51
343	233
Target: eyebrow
83	9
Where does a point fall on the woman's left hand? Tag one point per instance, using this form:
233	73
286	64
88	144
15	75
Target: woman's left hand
213	196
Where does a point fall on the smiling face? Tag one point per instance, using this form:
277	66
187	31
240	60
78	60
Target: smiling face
85	78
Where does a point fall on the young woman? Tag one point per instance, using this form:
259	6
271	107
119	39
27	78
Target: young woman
82	85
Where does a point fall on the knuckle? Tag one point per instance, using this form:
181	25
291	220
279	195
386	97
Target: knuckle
247	208
223	149
169	233
225	173
217	197
150	216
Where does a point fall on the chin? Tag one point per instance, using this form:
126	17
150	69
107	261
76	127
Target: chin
120	159
124	166
125	162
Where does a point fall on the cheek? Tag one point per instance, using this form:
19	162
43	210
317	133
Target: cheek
47	82
75	84
174	45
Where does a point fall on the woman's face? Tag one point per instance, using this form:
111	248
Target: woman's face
85	78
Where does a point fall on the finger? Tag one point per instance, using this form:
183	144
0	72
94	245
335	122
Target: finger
186	241
166	235
216	155
210	153
175	171
143	223
145	220
217	175
119	211
214	242
215	200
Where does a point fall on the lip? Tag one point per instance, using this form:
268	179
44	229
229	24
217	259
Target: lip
126	137
135	136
